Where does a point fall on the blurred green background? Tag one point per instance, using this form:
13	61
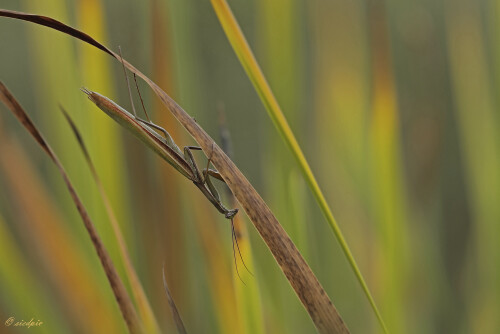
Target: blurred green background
393	103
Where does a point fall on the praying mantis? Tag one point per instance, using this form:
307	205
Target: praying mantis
182	160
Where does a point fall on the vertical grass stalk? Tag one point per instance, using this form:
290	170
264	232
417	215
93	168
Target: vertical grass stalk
249	63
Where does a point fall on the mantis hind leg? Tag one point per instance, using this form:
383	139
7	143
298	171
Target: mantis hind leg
170	142
211	172
166	135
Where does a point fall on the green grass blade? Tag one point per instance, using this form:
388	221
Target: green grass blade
252	68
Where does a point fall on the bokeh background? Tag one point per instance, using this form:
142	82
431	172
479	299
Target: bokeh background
395	104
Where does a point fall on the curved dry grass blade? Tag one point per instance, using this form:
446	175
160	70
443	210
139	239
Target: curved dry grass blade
145	310
121	295
175	313
54	24
305	284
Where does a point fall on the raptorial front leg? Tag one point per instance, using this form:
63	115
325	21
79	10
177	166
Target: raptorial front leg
203	179
213	173
227	212
188	156
210	185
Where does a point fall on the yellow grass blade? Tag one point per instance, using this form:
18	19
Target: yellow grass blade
249	63
248	299
102	136
247	296
171	185
218	270
387	176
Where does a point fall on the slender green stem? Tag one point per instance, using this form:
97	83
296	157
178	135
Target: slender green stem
252	68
